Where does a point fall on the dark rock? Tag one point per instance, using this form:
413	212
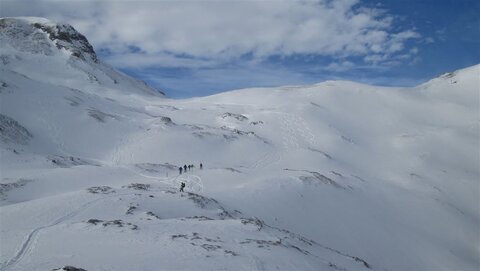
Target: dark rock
233	253
153	215
256	122
210	247
184	236
69	268
254	221
119	223
5	187
139	186
101	116
130	210
68	161
66	37
239	117
94	221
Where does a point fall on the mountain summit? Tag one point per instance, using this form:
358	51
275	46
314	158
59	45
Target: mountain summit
58	54
41	36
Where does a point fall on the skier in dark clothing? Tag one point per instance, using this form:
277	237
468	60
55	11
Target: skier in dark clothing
185	168
180	170
182	186
201	166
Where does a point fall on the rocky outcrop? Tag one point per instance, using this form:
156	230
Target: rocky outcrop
40	36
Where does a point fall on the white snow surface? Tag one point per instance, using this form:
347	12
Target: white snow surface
332	176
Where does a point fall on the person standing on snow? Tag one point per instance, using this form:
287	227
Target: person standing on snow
201	166
180	170
182	186
184	168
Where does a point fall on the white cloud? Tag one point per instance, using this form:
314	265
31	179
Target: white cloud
141	60
340	66
227	30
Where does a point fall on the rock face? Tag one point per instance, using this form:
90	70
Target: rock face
40	36
65	36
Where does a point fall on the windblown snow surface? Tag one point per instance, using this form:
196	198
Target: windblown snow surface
332	176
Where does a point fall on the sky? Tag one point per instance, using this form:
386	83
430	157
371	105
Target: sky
198	48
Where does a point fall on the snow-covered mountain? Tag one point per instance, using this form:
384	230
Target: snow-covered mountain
58	54
332	176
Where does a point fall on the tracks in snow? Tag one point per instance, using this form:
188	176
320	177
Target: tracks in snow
193	183
25	247
295	134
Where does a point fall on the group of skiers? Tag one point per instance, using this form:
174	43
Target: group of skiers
189	167
184	169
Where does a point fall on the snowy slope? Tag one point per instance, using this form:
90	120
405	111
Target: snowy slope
332	176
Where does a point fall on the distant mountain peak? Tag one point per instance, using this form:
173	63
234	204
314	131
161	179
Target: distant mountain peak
40	35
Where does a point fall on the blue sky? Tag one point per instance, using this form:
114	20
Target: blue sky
198	48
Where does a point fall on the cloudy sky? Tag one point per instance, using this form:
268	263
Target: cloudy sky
197	48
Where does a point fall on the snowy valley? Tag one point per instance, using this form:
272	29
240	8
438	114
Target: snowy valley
332	176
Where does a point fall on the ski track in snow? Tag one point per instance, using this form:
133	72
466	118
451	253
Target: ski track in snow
295	134
25	247
193	182
259	265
